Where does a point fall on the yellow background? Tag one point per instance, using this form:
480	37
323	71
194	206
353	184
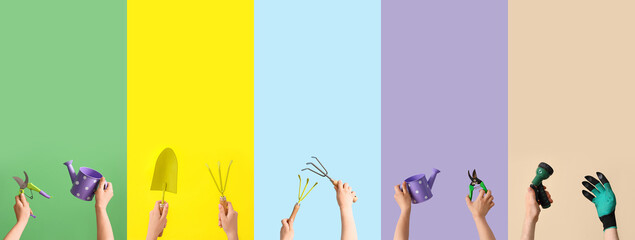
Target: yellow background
571	101
190	87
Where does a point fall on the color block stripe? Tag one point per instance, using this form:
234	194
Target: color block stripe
317	93
571	105
62	97
444	105
190	87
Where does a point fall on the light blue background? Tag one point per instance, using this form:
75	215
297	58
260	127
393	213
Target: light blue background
317	92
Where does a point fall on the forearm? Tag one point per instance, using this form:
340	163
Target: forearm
16	231
104	229
611	234
529	229
402	231
349	231
232	236
484	231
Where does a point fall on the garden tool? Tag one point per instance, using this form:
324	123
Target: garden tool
166	172
543	172
420	188
84	182
26	184
475	182
221	188
301	197
323	173
603	198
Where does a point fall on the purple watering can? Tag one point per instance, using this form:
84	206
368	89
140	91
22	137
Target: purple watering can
421	189
84	183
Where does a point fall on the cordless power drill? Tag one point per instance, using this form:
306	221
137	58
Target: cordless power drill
543	172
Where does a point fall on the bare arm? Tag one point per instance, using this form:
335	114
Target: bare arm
22	213
403	199
16	231
102	197
479	208
611	234
345	201
529	228
532	211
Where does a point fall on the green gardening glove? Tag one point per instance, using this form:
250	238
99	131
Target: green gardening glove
604	199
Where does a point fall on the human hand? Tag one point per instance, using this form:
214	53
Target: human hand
158	220
228	222
286	231
344	194
532	208
22	209
103	196
402	197
603	198
481	206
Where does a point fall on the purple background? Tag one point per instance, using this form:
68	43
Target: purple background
444	105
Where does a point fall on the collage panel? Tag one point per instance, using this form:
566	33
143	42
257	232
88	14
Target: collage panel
62	119
444	119
317	94
570	106
190	120
316	120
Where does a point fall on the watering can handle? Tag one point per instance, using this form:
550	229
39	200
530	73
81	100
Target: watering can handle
335	184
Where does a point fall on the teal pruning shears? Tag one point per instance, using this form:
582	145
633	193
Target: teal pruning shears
475	182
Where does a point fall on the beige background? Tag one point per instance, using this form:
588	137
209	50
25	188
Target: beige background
571	104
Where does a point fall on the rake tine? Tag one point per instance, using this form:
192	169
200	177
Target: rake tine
319	174
326	172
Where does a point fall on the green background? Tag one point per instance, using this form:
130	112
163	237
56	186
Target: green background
62	97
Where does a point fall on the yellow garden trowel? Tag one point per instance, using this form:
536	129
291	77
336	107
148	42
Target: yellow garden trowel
165	174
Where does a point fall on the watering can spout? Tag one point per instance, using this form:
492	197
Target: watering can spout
434	175
71	171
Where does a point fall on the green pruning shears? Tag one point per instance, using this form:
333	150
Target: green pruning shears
603	198
475	182
24	184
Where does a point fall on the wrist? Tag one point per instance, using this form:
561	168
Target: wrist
405	210
233	235
346	208
22	222
608	221
152	237
99	208
478	218
531	217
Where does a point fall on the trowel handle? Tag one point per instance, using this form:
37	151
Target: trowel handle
161	205
44	194
335	184
223	202
295	212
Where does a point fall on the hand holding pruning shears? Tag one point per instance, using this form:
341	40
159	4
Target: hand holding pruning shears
26	184
475	181
22	209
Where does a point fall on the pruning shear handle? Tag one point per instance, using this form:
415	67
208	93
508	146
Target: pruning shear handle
475	180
